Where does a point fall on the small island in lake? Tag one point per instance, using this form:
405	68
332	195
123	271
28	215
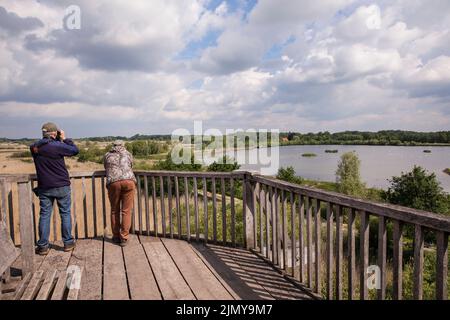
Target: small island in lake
309	155
447	171
426	151
331	151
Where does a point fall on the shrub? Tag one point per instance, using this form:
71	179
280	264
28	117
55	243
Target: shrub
420	190
429	277
92	154
169	165
348	175
226	165
288	174
145	148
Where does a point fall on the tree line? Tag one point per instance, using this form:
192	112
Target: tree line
386	137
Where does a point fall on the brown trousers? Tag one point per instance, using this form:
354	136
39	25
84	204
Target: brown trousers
121	194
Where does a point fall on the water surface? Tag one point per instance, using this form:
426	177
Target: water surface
378	163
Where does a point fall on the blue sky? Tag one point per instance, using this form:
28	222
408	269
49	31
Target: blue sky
195	47
154	66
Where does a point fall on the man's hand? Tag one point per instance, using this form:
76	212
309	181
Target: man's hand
62	135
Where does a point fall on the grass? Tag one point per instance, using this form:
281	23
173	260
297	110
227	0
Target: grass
159	156
447	171
239	227
309	155
323	185
372	194
143	165
220	218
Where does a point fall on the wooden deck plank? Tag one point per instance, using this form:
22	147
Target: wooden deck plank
154	268
47	286
272	281
114	277
88	255
33	287
200	279
22	286
145	239
141	281
169	278
60	287
56	259
238	282
133	239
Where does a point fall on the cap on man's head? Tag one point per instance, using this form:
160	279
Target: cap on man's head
49	127
118	143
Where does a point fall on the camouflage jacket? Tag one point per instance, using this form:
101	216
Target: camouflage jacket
118	165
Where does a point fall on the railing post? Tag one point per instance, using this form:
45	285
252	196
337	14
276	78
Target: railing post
418	262
397	281
249	212
2	200
442	266
26	227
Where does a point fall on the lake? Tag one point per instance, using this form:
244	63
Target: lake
378	163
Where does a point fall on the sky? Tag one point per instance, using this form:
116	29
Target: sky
151	67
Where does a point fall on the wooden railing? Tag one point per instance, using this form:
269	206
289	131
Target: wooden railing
331	243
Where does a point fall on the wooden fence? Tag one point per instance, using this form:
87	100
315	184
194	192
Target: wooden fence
320	239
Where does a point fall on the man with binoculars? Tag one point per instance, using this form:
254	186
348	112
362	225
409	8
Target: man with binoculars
53	184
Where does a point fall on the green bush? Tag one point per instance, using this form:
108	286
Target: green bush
169	165
226	165
145	148
92	154
429	277
420	190
288	174
348	175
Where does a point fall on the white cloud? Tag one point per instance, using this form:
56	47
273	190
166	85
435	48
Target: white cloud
363	23
358	60
333	65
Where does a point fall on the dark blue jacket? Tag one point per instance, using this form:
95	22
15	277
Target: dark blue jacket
48	155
